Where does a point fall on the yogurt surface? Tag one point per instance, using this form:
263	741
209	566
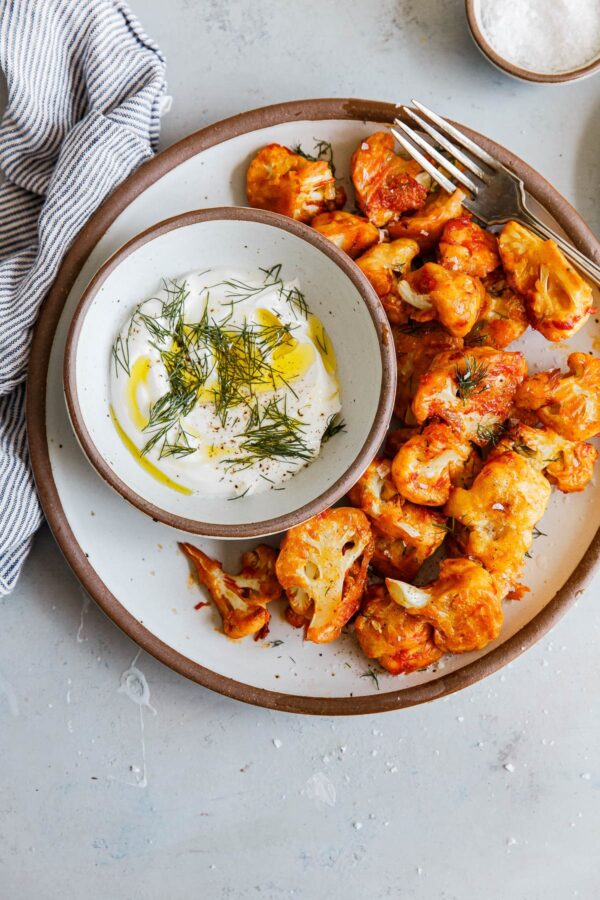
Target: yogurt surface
224	383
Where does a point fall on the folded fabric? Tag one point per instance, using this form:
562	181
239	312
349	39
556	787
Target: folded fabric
85	86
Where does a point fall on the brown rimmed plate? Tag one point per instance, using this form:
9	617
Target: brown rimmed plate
134	571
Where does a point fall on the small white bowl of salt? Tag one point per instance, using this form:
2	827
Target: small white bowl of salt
549	41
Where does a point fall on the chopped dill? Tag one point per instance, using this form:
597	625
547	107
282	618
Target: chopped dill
271	434
471	379
276	643
537	533
373	675
523	449
477	337
449	527
231	364
322	150
239	496
335	424
491	434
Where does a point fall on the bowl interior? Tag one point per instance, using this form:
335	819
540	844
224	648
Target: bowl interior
239	245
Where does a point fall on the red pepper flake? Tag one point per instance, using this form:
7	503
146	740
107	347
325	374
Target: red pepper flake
201	604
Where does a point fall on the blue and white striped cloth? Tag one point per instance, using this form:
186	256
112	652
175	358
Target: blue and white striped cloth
85	87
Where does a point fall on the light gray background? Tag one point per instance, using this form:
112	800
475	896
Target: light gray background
490	794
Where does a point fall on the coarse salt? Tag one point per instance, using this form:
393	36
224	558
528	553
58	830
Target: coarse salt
541	36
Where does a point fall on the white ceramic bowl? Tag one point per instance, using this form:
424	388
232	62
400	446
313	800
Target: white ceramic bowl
335	290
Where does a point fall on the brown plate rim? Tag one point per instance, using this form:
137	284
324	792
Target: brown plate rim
365	453
301	110
501	62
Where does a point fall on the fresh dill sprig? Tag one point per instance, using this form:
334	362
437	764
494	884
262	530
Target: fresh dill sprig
321	150
471	379
412	327
271	434
335	424
523	449
490	434
477	337
448	527
373	675
229	363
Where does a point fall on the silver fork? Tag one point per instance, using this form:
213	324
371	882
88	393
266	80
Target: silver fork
496	193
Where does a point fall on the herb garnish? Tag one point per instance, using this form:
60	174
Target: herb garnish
471	379
371	674
523	449
449	527
491	434
322	150
227	363
335	424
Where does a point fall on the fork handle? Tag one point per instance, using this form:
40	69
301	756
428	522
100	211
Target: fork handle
578	259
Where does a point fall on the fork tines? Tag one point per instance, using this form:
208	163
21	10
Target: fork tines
411	140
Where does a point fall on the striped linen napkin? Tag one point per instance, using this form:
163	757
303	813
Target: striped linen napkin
85	88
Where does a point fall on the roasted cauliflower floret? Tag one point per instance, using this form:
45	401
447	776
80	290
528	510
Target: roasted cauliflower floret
464	605
386	185
427	465
499	512
376	494
385	265
426	226
350	233
465	247
322	565
567	464
416	347
471	391
570	404
453	298
241	599
287	183
559	301
400	643
503	318
392	557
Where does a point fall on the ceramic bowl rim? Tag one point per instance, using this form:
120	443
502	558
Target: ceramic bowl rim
381	417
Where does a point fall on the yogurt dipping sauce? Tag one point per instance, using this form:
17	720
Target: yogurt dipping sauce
224	383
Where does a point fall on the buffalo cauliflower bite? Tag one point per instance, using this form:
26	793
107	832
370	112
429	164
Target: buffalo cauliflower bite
350	233
416	347
385	266
570	404
376	494
503	318
426	226
499	512
433	292
465	247
287	183
386	185
464	605
559	301
427	465
567	464
392	557
471	391
399	642
322	565
241	599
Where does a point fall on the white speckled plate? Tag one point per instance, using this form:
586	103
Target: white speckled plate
132	566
